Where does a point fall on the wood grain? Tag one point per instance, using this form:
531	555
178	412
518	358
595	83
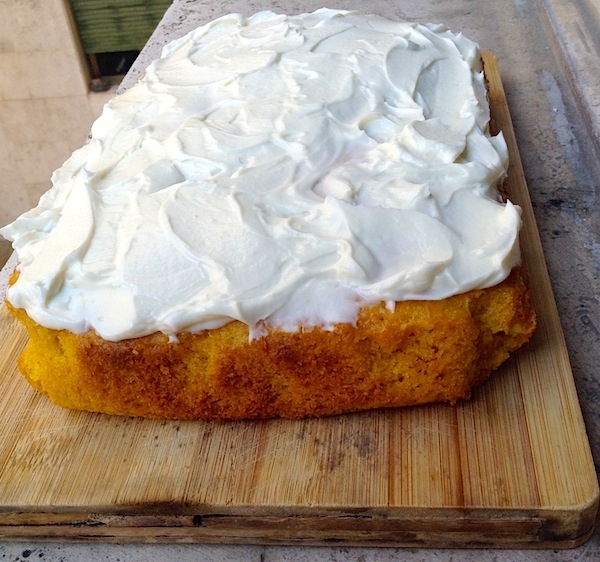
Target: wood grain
510	468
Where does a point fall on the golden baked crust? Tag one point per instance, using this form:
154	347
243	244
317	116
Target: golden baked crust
424	351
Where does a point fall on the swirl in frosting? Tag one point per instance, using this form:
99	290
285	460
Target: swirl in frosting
283	171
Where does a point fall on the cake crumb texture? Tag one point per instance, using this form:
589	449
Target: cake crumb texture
422	352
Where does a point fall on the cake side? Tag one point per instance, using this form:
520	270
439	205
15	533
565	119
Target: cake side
422	352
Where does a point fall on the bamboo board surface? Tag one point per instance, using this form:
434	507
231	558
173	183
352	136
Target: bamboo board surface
510	468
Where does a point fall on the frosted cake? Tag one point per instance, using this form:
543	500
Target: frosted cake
287	216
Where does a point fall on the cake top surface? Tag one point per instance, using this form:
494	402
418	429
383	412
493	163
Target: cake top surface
278	170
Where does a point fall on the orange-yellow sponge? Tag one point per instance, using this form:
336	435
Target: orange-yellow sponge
424	351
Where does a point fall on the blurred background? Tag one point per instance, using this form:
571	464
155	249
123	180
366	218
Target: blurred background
60	61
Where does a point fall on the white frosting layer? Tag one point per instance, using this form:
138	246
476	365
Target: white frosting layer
276	170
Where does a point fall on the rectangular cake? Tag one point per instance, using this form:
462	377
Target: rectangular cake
287	216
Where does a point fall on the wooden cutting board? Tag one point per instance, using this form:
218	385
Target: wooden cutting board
510	468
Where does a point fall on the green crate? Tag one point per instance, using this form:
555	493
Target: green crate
110	26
